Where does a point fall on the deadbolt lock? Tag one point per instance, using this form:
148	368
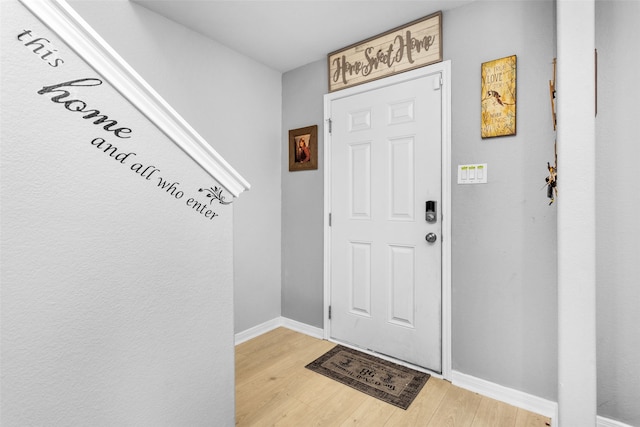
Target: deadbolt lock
431	212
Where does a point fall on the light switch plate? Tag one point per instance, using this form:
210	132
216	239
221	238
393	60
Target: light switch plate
472	174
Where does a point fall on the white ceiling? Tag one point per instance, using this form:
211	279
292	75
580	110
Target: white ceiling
288	34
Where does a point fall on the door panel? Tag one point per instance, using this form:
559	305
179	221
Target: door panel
360	180
359	281
401	179
385	277
402	285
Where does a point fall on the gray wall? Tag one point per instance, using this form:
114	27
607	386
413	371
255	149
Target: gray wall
618	204
302	199
235	104
504	261
504	234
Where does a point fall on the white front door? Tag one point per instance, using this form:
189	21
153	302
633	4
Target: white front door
386	278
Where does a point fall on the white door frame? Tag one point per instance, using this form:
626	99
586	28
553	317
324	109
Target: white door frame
445	203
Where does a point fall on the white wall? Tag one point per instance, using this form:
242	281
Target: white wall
618	204
116	296
235	104
577	385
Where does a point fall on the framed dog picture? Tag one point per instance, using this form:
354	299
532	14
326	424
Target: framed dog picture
303	148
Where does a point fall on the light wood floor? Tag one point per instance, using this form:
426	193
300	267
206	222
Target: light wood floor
273	388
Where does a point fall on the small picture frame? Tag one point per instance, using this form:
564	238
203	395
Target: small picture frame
303	148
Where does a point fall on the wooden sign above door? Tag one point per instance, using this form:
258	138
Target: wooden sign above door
405	48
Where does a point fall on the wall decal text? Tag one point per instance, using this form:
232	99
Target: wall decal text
66	95
37	44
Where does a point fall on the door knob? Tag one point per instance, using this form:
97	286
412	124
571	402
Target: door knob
431	237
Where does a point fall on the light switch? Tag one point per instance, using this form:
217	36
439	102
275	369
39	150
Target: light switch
472	174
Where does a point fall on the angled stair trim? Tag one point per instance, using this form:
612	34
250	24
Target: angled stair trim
74	31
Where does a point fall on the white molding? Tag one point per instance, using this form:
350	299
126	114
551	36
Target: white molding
278	322
446	222
445	68
258	330
327	230
303	328
508	395
71	28
608	422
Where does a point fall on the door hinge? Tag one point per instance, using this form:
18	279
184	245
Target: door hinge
329	219
329	312
329	122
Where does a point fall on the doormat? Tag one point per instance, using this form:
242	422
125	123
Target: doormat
387	381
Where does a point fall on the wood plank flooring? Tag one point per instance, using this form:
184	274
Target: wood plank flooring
273	388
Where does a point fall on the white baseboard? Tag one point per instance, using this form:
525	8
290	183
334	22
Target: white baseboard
607	422
303	328
508	395
258	330
278	322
